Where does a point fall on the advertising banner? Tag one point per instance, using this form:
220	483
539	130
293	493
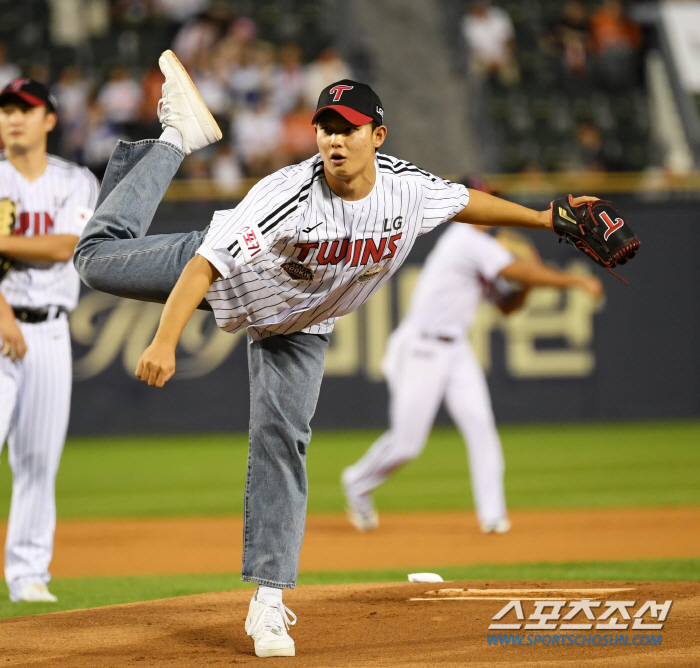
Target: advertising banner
636	355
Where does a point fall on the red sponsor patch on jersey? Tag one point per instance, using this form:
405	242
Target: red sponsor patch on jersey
251	242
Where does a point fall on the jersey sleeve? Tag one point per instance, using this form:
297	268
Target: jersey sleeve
489	256
79	205
245	234
442	201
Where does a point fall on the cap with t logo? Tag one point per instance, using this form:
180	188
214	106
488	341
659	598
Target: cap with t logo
355	102
31	92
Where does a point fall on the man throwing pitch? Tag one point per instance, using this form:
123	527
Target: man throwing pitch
307	245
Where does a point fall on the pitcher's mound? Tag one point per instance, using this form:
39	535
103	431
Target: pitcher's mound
384	625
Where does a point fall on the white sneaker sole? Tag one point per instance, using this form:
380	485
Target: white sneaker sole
172	68
280	651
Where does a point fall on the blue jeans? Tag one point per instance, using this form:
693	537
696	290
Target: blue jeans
285	372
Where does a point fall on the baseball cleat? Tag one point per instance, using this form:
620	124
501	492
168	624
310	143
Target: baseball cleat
267	624
501	525
35	593
182	108
360	507
367	521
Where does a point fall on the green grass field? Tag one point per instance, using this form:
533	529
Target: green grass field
562	466
547	466
76	593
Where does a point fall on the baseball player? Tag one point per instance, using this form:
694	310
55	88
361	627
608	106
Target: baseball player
307	244
429	359
44	204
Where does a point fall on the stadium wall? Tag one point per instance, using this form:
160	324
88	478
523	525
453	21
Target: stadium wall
563	358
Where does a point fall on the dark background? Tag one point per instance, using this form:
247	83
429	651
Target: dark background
646	344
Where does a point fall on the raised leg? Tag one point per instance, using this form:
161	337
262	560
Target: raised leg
114	255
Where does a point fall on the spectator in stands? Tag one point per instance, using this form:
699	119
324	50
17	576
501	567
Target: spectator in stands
8	71
72	92
196	166
180	11
100	139
243	30
246	77
288	78
299	136
225	170
240	34
614	42
570	38
128	12
266	59
209	77
71	24
120	97
489	34
39	72
151	92
590	146
194	38
257	133
326	69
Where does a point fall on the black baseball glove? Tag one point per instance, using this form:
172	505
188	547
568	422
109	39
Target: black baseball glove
5	266
595	228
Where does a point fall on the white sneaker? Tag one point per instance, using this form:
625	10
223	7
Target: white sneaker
360	509
267	624
501	525
35	593
182	108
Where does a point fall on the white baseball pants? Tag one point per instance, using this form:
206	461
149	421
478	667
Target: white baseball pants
421	372
34	410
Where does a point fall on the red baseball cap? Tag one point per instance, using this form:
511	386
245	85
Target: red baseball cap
355	102
32	92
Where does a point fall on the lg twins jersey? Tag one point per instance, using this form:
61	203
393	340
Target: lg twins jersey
450	285
295	257
60	201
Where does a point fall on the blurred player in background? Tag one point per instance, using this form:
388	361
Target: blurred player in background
429	359
44	204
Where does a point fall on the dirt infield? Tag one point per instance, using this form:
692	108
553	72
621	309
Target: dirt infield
349	626
213	545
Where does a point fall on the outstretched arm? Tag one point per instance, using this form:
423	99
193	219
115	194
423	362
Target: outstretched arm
484	209
157	364
533	274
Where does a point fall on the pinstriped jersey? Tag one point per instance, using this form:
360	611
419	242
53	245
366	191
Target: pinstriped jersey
296	257
60	201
